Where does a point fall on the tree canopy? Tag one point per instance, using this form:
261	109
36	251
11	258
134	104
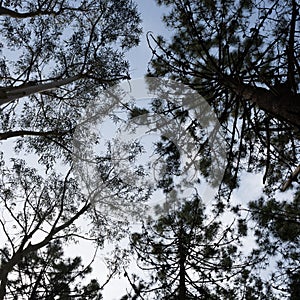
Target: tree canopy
55	57
191	254
243	58
60	54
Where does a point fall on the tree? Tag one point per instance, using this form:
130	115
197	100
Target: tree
39	210
243	57
56	56
278	235
60	54
48	275
191	255
35	211
60	43
248	71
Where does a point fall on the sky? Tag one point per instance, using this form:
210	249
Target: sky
139	58
151	15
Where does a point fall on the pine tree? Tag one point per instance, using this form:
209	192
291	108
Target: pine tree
48	275
242	57
189	254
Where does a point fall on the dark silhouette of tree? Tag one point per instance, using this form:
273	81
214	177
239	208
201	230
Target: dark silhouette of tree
49	275
32	206
39	210
243	57
59	43
278	235
190	255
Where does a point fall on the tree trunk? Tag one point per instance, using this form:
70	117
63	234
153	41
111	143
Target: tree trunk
8	94
284	105
182	259
3	286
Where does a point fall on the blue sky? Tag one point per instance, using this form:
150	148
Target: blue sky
151	15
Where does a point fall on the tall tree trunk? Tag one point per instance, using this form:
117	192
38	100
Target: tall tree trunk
8	94
3	285
182	259
281	104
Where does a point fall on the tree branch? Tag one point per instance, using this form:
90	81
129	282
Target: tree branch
21	133
293	177
8	94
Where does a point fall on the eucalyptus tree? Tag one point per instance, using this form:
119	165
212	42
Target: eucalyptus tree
55	57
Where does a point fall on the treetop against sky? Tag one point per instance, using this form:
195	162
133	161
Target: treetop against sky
59	63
